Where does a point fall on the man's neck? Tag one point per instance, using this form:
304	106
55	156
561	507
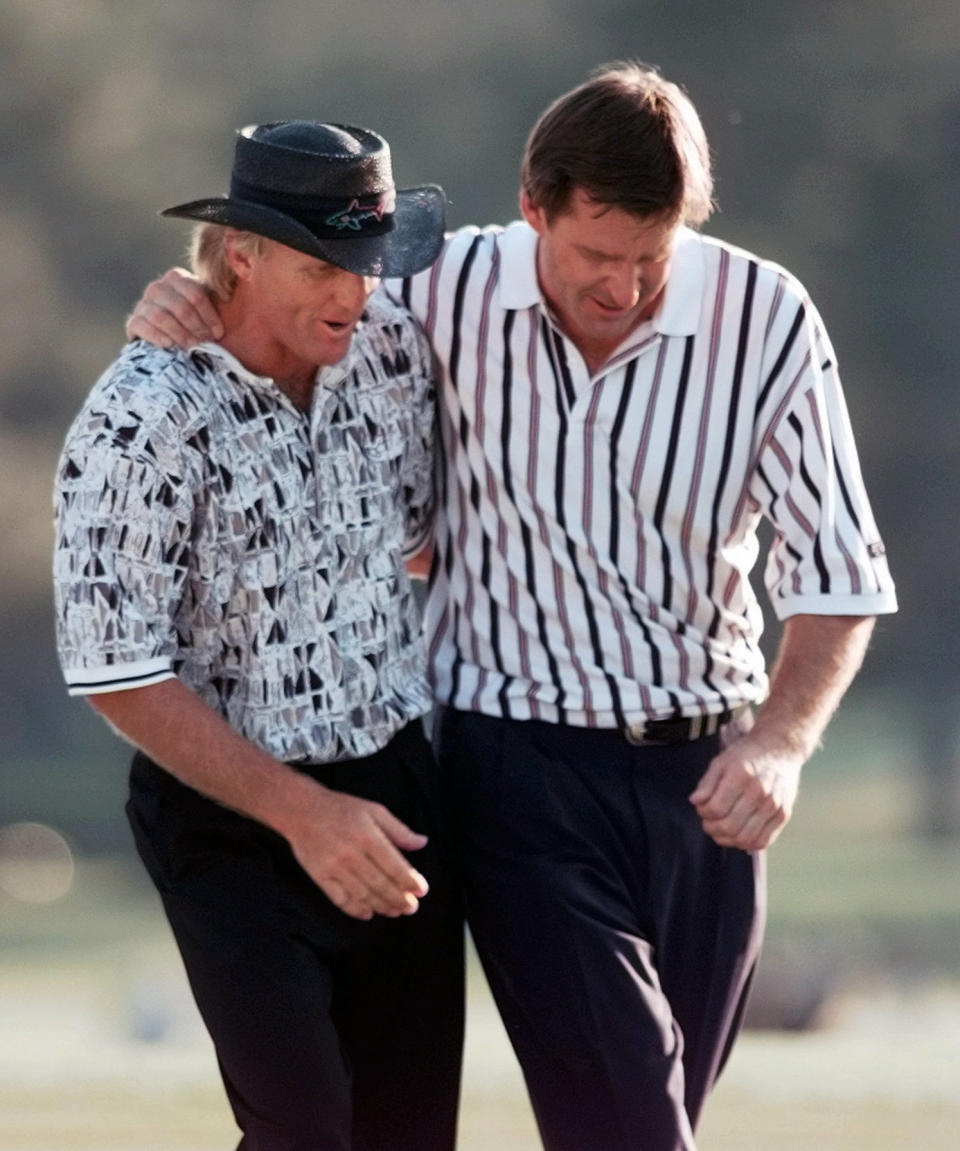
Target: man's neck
596	352
292	377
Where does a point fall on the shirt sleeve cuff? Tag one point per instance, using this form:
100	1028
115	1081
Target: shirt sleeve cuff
878	603
118	676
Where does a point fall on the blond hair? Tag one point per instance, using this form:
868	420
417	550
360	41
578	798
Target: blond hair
208	256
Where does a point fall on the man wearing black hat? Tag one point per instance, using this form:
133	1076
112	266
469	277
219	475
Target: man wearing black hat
232	523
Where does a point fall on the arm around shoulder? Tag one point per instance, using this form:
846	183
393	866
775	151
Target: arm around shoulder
174	311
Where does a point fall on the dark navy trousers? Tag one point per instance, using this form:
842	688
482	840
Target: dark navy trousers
332	1033
618	939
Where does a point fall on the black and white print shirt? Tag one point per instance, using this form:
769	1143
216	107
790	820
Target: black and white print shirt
595	533
208	529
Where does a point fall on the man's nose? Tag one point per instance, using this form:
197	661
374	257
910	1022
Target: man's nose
623	286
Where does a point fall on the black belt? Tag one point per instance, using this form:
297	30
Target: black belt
679	730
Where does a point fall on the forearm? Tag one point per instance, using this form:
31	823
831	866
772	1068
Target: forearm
177	730
350	847
748	791
816	661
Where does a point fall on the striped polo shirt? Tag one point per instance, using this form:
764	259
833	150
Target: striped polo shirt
596	533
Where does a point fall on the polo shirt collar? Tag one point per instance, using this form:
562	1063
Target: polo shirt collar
679	314
232	364
682	299
519	288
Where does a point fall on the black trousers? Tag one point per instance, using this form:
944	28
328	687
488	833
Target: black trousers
332	1034
618	939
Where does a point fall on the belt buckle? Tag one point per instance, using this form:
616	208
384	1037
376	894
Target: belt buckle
684	729
634	733
639	735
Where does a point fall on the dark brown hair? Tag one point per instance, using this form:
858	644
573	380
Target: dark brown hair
627	138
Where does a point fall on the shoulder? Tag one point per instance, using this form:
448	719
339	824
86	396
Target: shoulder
391	333
466	244
385	311
472	261
771	278
147	401
478	247
470	237
153	382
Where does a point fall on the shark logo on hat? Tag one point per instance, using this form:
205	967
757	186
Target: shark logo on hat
355	214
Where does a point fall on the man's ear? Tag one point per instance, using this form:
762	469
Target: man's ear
533	214
240	257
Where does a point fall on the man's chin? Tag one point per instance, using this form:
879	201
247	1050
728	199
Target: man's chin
611	325
335	346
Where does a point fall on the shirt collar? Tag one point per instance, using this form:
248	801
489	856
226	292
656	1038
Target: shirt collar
682	300
518	267
232	364
679	315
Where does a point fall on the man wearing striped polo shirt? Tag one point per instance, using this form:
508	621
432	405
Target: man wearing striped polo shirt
623	400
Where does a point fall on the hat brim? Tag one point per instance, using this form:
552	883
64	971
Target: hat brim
412	245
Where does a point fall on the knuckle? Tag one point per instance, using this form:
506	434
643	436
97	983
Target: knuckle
368	841
342	859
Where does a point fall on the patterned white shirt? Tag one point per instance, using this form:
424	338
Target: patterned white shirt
208	529
596	532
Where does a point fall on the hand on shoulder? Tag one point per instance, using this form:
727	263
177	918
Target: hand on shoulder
174	311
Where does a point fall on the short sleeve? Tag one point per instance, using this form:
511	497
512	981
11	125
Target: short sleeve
123	516
827	556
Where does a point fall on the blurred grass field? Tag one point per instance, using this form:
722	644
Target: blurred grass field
101	1050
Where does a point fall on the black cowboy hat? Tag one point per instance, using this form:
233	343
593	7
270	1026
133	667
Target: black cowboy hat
327	190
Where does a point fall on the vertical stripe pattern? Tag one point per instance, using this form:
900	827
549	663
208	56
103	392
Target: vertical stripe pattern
596	533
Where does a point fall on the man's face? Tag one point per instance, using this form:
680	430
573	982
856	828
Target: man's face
303	309
601	269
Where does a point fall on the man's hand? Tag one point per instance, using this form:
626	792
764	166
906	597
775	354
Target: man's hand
747	794
748	791
174	311
350	848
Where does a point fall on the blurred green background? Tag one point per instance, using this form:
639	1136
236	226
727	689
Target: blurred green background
834	126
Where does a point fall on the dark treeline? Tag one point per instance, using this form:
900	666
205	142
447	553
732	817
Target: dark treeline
834	129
